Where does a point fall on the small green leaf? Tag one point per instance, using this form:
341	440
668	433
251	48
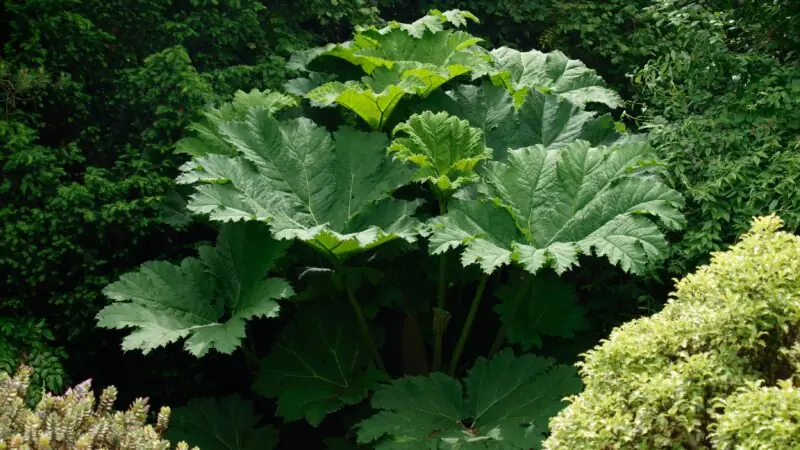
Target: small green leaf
444	148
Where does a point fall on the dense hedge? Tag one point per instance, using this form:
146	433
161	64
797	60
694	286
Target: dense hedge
717	368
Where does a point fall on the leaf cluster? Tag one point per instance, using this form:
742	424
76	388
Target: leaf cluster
526	179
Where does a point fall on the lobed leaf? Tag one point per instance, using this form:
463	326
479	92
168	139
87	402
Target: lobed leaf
544	306
545	119
319	364
329	190
228	423
444	149
508	403
521	72
165	302
557	204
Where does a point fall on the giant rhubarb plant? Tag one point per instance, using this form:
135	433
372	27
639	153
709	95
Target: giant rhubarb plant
504	164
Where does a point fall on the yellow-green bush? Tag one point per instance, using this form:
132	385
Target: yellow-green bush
74	421
715	369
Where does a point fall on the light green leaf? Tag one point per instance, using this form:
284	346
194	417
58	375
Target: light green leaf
562	203
508	403
332	191
545	119
373	99
554	73
319	365
164	302
432	22
544	306
228	423
444	149
399	60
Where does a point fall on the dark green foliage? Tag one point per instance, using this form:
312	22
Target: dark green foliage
95	95
726	120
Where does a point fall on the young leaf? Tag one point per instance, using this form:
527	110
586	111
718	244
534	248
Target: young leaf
509	401
331	191
444	148
546	307
165	302
373	99
228	423
520	72
545	119
559	203
319	364
399	59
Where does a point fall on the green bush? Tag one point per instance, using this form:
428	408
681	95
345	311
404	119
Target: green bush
702	372
723	109
74	421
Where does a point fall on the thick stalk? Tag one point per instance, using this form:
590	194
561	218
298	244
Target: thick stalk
500	339
362	323
473	310
440	315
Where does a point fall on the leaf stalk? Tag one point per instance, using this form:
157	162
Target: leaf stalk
439	323
362	324
473	310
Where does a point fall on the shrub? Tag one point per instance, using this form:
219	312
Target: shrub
702	372
75	420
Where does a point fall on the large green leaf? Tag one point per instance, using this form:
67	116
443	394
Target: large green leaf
521	72
165	302
399	59
228	423
444	148
546	119
319	364
507	406
332	191
544	305
204	135
557	204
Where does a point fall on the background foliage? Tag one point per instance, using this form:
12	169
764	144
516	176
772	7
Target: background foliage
96	94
